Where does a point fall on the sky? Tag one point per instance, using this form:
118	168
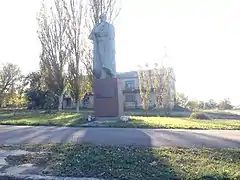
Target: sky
202	39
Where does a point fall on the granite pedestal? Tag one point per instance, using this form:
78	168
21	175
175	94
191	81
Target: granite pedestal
108	98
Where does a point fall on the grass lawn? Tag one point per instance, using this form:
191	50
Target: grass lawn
132	163
38	118
175	123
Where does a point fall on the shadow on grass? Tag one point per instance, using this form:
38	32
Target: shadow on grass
198	139
112	136
99	161
123	154
114	163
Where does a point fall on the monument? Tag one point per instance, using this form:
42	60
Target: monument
108	100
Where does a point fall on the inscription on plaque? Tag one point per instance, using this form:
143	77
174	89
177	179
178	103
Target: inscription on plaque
101	93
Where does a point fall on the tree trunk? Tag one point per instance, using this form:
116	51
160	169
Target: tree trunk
60	100
166	111
77	107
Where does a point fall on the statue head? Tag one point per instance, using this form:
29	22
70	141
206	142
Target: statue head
103	17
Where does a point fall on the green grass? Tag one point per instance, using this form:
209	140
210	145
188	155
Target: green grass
133	163
175	123
37	118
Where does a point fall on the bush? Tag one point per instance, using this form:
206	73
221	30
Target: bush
199	115
41	99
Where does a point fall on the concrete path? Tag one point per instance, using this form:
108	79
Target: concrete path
26	171
120	136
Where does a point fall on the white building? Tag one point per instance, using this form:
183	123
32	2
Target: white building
131	91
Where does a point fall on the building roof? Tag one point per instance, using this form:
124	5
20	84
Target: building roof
134	74
130	74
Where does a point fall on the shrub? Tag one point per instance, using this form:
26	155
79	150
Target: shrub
199	115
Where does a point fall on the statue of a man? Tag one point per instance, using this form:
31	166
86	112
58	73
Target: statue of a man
103	37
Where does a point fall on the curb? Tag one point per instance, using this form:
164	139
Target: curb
6	176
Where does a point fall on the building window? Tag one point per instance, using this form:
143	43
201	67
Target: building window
130	98
129	84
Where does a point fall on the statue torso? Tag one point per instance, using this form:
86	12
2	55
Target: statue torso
102	31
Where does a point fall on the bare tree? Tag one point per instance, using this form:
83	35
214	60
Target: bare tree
145	86
86	60
52	34
158	86
164	88
74	10
98	7
166	91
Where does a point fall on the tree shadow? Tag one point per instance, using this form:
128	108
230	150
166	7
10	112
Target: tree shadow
191	138
114	153
103	155
113	162
37	135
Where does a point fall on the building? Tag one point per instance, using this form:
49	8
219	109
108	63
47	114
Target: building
86	102
131	92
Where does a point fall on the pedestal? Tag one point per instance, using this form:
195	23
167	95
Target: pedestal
108	98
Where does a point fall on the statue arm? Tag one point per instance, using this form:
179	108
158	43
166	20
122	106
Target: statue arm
112	32
111	37
92	36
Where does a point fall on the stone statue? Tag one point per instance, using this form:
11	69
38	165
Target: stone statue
103	37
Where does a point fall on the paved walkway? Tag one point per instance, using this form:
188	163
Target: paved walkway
120	136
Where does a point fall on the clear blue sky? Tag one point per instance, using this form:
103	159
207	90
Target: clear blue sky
202	38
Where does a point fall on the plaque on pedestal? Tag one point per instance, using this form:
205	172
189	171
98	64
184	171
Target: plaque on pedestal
108	98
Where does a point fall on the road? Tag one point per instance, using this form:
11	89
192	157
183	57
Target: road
120	136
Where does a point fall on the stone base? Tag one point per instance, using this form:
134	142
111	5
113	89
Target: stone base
108	98
113	119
